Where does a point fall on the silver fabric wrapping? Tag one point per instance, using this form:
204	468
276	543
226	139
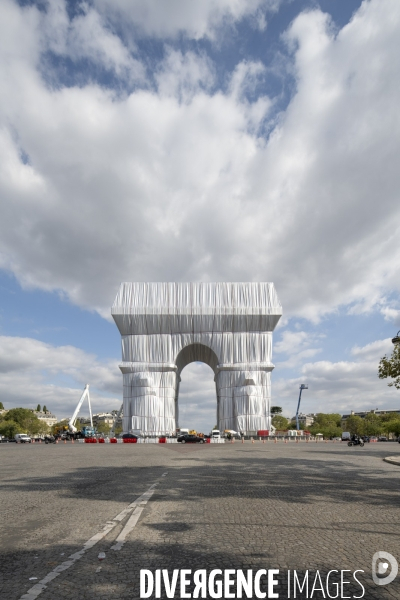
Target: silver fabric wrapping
166	326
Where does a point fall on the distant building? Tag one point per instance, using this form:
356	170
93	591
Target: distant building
47	417
378	412
107	418
305	420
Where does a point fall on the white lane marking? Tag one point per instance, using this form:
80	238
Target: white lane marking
133	519
38	588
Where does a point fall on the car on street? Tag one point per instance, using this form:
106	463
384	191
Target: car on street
129	436
188	438
382	438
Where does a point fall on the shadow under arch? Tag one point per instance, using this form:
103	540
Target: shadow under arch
196	353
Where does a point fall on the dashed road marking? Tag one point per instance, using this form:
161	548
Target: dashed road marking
142	500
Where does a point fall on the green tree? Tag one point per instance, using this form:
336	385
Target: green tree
355	425
118	430
10	428
281	423
1	406
389	366
293	425
391	425
38	408
45	409
103	427
276	410
26	419
372	424
329	424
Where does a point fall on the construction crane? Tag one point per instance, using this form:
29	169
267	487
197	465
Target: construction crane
302	387
116	417
85	431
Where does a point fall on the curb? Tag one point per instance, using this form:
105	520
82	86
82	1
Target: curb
393	460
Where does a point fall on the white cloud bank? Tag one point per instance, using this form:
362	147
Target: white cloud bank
176	182
195	19
170	177
32	373
339	386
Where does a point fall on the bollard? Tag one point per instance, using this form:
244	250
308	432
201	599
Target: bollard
242	440
252	441
263	441
72	440
275	441
65	441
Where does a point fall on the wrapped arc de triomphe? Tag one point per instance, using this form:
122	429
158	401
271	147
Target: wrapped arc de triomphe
166	326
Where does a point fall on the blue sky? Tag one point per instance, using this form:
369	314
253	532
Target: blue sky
251	140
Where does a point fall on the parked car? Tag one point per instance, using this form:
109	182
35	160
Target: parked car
373	438
382	438
129	436
190	439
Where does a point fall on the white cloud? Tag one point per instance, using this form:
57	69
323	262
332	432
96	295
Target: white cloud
298	346
339	386
32	372
195	19
177	183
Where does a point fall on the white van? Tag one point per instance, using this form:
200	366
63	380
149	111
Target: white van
22	438
215	433
346	436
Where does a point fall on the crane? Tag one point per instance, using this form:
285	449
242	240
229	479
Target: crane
87	431
302	387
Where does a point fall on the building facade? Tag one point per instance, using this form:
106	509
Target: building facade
47	417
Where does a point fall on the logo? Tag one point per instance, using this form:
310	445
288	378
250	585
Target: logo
380	565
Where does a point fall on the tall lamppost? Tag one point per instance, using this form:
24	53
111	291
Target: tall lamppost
302	387
396	339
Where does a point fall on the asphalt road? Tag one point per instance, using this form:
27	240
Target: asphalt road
315	507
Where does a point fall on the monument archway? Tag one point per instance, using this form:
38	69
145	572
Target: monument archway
165	326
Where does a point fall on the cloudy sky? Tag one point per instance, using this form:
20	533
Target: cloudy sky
210	140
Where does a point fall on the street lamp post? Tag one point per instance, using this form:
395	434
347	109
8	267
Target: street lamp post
396	339
302	387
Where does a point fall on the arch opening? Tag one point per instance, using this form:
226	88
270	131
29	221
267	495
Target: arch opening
197	404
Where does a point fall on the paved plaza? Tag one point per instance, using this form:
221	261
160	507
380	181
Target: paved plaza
316	506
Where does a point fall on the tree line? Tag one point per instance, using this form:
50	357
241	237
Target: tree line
329	424
21	420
